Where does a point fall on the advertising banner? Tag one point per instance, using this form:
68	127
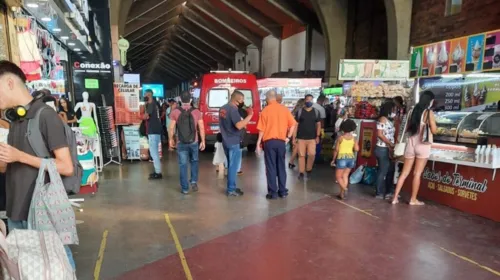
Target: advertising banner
132	141
373	70
127	103
474	53
448	92
480	91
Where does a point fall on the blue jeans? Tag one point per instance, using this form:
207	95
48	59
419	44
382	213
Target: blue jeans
154	142
385	175
345	163
187	152
239	162
24	225
233	158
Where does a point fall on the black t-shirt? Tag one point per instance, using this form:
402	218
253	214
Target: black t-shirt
306	129
154	122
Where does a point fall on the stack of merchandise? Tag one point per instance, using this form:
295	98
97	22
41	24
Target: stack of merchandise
108	130
365	110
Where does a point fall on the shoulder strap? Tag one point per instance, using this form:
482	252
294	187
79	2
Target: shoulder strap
35	137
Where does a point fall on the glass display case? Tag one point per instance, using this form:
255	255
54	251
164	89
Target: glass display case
475	125
448	124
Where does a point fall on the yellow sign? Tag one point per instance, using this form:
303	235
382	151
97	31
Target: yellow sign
367	145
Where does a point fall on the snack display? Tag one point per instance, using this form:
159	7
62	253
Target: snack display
471	134
448	124
378	90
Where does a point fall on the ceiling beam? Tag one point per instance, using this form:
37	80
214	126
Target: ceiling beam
298	12
156	16
211	29
171	72
205	44
228	22
255	16
189	56
153	31
174	66
140	8
185	63
151	46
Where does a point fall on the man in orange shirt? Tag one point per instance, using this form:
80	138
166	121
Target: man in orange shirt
276	126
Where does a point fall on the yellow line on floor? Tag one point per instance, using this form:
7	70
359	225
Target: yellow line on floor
179	248
471	261
100	257
356	208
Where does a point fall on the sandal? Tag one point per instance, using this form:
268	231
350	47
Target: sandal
395	201
291	165
416	203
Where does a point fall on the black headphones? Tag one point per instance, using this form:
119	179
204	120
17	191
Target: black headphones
19	112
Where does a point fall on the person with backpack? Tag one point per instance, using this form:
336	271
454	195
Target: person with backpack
154	130
188	122
307	135
20	157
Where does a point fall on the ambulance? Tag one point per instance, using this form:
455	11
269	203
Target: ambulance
216	90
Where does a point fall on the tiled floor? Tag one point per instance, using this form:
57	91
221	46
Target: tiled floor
309	235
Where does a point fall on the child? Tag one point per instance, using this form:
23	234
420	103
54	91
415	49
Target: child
219	155
347	146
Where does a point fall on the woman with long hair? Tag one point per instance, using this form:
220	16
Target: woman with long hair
66	111
295	148
417	152
383	150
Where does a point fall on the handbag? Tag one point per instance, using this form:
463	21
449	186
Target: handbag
50	208
400	147
427	137
33	255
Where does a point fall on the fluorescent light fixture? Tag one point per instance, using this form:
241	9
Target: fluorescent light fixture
483	75
71	44
56	29
32	5
451	76
45	19
76	50
64	37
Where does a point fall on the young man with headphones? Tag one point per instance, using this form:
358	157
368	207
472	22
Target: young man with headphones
17	158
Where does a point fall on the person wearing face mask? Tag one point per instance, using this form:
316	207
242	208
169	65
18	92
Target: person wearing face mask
383	151
154	130
307	135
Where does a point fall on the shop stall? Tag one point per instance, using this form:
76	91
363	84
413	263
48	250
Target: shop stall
370	83
291	89
465	156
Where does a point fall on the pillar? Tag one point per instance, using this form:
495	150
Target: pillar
118	16
332	15
399	14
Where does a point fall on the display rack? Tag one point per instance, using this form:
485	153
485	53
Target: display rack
109	135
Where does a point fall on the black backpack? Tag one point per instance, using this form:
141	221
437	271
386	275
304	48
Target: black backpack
186	130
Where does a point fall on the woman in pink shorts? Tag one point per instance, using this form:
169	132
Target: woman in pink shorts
417	153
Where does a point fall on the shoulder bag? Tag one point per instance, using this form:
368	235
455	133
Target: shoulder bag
399	149
427	137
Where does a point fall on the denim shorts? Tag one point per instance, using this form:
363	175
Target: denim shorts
346	163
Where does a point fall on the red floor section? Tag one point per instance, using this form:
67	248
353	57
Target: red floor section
328	240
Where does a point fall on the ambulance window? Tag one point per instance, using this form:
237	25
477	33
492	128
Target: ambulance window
218	97
248	97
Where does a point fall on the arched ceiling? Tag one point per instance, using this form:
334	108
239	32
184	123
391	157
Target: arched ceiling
175	40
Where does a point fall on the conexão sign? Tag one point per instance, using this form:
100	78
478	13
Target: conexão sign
96	66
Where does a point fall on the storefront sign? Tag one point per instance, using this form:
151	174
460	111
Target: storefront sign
132	141
91	67
127	103
478	52
371	70
285	82
447	92
467	188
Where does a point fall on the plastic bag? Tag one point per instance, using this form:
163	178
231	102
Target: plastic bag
357	175
370	176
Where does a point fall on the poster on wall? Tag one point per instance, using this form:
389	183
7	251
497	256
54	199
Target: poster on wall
127	103
416	62
132	141
373	70
429	62
442	61
474	59
480	91
492	51
457	56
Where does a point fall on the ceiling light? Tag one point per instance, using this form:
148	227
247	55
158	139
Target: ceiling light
76	50
32	5
45	19
64	37
71	44
56	29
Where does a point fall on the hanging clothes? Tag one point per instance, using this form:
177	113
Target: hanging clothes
29	54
